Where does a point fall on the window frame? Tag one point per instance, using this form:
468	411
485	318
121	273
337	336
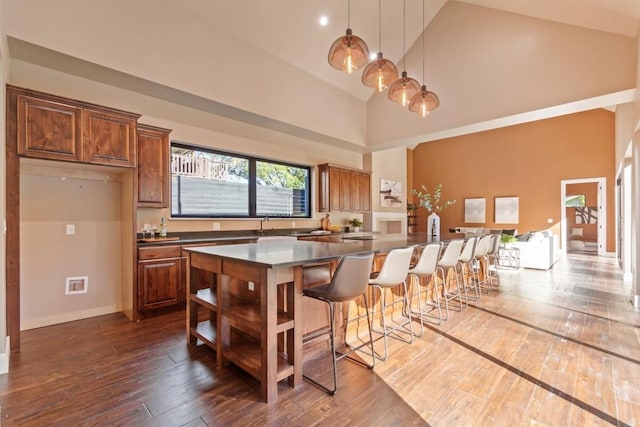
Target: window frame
252	202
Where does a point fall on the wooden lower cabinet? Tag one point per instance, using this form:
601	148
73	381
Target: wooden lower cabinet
160	277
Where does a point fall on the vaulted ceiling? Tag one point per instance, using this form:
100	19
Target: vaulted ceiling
264	62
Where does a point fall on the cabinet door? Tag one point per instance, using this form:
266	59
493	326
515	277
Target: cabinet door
356	199
159	283
153	167
334	190
109	138
345	190
323	189
365	191
49	129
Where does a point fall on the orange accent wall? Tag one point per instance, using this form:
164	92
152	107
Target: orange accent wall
528	161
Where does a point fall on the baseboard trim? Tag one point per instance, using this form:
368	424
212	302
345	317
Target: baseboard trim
4	357
40	322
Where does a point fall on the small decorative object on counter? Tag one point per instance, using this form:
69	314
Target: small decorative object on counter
325	223
163	228
433	207
355	224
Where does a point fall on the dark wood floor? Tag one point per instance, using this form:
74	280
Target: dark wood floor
555	348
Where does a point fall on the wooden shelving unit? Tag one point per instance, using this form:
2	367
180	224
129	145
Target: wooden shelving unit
412	218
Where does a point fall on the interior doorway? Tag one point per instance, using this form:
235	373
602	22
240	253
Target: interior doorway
583	215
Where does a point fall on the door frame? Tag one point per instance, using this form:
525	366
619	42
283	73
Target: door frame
602	211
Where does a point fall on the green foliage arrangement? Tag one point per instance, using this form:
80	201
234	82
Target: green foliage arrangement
356	222
432	202
508	238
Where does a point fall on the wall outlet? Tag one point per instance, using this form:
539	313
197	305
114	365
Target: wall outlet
71	229
252	286
293	224
76	285
216	226
550	220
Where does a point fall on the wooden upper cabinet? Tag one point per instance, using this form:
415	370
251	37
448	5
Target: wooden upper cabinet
343	189
335	194
56	128
364	180
48	129
109	138
154	178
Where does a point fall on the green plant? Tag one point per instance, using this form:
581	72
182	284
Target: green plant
508	238
356	222
432	202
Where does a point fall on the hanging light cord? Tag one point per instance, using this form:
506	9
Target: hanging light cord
404	35
379	26
423	81
349	14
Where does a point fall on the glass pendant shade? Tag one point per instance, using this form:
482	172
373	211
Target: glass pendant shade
404	89
379	73
348	53
424	102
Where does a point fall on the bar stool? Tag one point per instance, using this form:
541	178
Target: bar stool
448	261
349	281
492	261
467	256
480	263
393	273
426	268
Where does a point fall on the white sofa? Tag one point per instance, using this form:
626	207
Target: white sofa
541	251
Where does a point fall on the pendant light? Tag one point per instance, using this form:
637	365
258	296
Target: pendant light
380	72
425	101
405	88
349	52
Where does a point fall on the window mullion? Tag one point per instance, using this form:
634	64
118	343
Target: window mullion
252	188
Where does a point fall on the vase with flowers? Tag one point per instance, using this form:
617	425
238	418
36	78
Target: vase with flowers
431	202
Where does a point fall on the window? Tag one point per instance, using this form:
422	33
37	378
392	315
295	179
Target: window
575	200
212	184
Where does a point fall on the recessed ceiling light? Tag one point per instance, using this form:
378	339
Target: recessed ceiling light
323	20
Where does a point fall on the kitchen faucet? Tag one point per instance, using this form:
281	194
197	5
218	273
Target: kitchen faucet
262	221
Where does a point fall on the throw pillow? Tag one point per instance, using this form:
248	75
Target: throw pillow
536	237
576	231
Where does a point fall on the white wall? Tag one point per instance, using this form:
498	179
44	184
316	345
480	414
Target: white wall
157	41
390	165
48	255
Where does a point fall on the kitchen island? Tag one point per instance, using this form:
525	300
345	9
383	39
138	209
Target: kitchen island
255	320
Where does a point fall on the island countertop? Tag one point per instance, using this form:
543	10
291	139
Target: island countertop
288	253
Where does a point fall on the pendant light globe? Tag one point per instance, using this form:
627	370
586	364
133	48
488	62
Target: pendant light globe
404	89
424	102
348	53
379	73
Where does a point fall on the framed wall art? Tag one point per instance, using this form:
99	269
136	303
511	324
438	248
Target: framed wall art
390	193
506	210
474	210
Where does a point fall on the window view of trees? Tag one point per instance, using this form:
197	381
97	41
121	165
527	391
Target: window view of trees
214	184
